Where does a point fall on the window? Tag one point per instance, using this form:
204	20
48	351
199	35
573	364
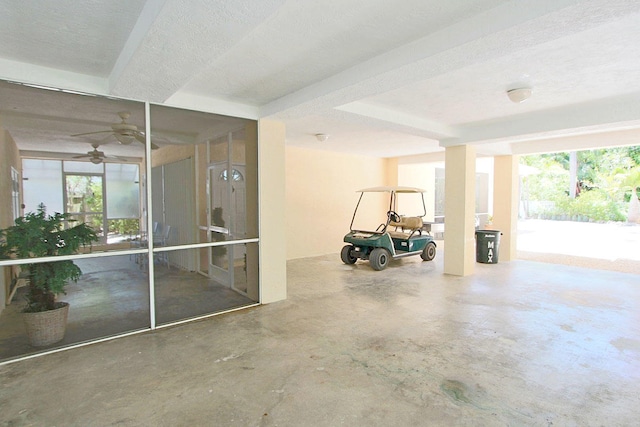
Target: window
15	193
235	175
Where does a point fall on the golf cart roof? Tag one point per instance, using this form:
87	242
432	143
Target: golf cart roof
389	189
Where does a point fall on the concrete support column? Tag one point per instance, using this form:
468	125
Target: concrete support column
459	210
506	192
271	182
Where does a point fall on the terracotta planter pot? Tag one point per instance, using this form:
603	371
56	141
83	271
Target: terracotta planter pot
46	327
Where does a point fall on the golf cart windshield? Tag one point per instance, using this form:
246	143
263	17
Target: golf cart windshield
373	207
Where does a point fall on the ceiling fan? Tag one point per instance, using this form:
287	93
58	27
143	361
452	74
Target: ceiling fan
125	133
96	156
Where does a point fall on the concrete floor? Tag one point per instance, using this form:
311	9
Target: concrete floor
112	297
604	246
519	343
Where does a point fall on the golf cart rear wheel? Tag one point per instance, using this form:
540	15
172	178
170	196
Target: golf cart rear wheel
429	252
379	258
347	255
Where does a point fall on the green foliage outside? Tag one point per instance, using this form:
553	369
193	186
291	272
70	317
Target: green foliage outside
85	195
124	226
606	177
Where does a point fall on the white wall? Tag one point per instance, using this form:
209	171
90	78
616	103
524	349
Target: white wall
321	196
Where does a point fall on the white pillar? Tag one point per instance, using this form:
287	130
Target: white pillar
459	210
506	192
271	182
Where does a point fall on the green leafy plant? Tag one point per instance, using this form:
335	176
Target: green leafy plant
607	178
40	235
124	226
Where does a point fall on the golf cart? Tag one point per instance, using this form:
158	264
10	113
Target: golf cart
396	237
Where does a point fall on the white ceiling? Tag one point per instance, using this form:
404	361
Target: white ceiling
382	78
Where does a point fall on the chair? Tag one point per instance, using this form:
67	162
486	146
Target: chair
20	278
142	241
160	241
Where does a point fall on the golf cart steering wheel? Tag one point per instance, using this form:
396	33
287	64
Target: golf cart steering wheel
393	216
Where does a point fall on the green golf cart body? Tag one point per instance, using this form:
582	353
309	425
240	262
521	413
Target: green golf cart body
399	236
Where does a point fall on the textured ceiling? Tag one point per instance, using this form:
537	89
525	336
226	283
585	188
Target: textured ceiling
381	78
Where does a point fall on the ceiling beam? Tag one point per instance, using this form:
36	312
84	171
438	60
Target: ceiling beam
421	126
611	113
168	59
145	21
51	77
464	43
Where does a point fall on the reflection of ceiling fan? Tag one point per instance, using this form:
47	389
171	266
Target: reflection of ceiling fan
125	133
96	157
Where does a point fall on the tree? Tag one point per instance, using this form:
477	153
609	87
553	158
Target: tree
605	175
632	182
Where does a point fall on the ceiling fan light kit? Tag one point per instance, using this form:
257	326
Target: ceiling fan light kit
96	156
123	138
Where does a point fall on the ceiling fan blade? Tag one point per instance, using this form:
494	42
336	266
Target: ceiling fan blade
141	139
93	133
81	156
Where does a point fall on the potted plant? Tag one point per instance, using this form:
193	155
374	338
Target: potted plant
40	235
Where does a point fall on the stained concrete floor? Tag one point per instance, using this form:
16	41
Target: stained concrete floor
520	344
112	297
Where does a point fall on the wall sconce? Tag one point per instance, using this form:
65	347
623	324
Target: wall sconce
519	95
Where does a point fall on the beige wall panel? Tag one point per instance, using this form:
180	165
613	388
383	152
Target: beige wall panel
171	154
321	197
421	176
273	215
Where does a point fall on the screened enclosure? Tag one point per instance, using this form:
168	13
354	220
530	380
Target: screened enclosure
171	194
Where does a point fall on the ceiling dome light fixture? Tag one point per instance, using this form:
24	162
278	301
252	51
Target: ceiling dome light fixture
322	137
519	95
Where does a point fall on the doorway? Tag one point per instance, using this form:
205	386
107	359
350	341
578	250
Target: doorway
227	221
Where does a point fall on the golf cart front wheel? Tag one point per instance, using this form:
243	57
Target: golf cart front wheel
429	252
379	258
347	255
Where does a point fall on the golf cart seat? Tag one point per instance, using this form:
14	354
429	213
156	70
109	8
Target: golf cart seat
408	225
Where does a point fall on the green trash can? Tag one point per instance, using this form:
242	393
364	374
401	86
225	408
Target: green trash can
487	246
